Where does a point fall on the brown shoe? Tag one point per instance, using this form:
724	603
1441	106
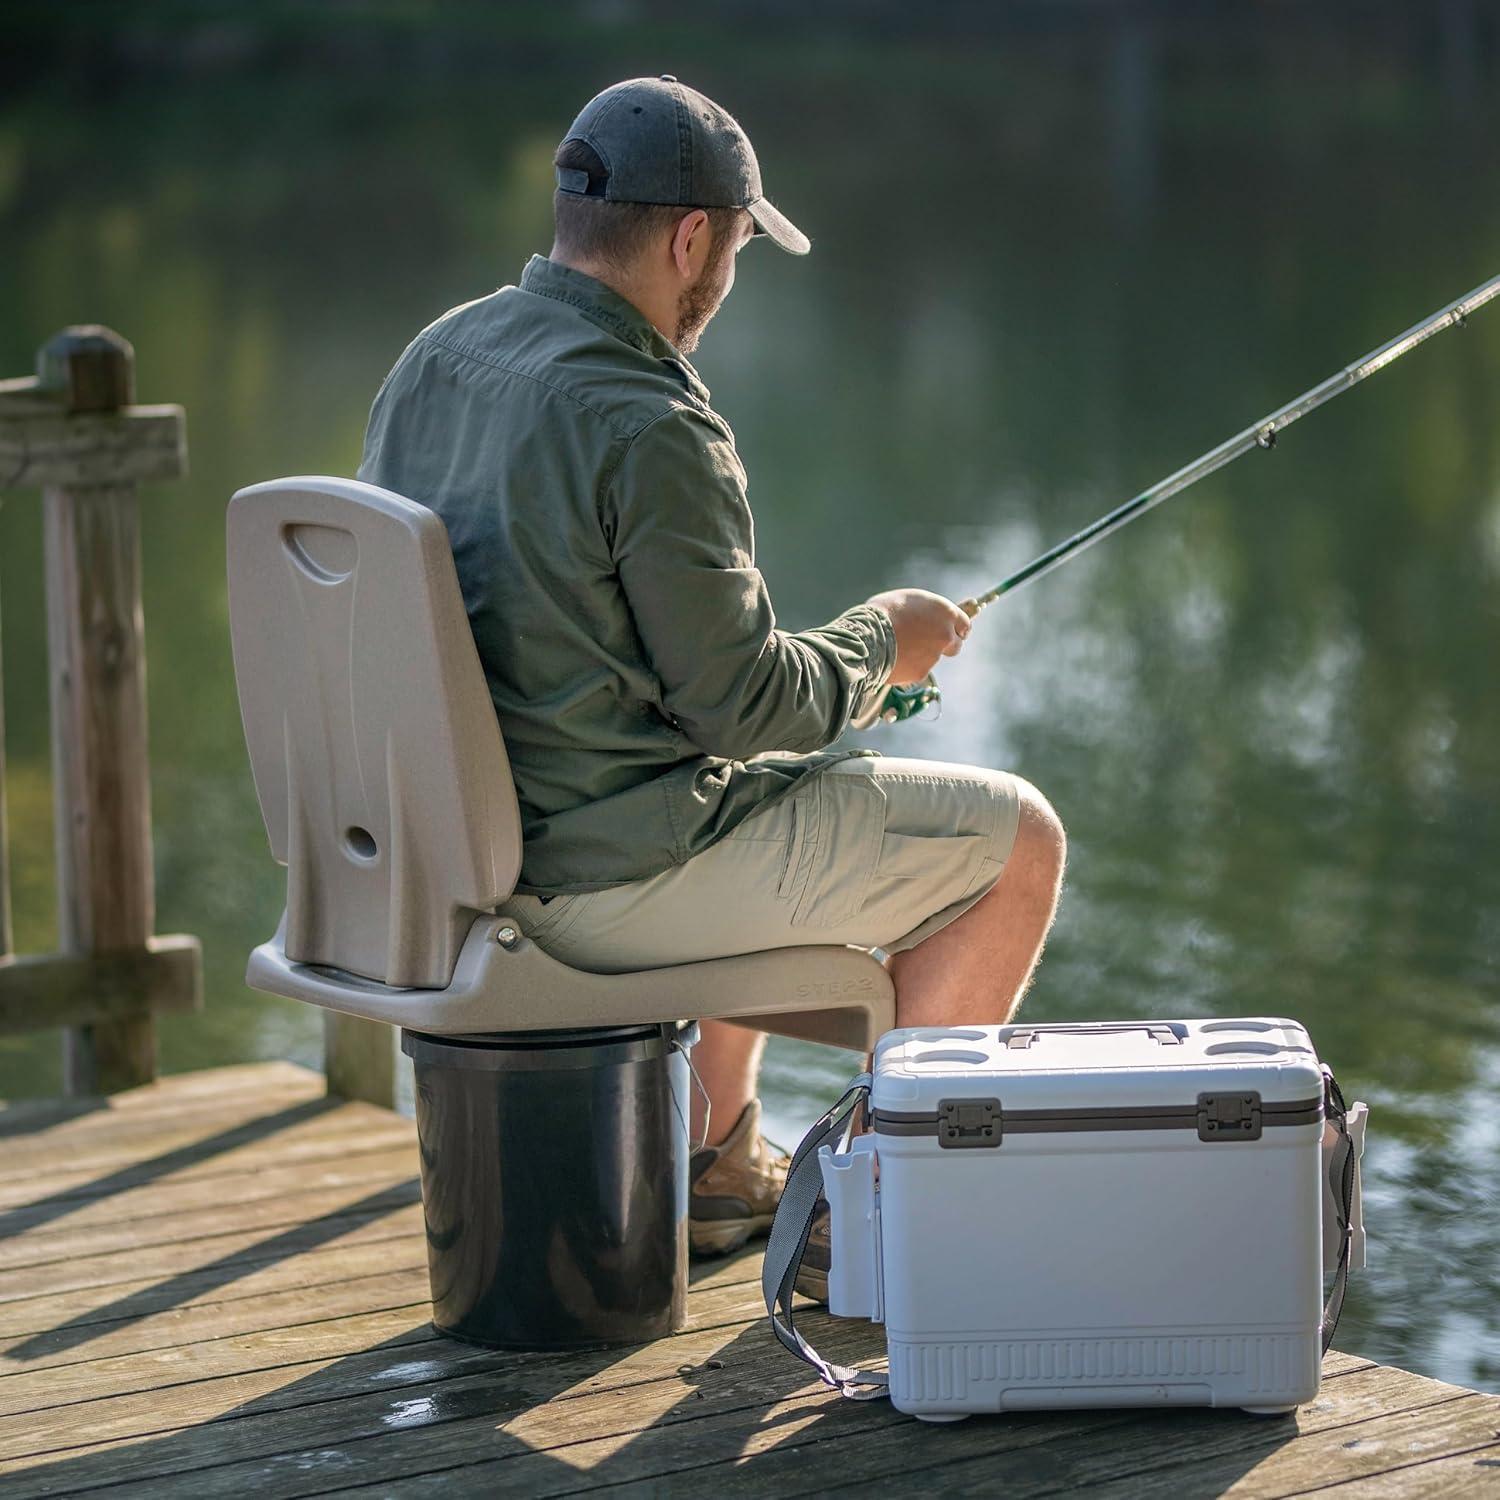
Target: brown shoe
735	1187
812	1274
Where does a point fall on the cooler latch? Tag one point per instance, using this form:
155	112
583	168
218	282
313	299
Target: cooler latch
969	1122
1228	1117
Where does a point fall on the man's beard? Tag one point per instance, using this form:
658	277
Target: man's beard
698	303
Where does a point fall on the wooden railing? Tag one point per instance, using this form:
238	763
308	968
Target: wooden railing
73	431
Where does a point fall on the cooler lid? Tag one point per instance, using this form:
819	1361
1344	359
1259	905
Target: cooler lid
1091	1064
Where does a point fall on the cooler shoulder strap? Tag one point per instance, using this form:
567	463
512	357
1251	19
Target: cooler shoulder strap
1337	1113
788	1243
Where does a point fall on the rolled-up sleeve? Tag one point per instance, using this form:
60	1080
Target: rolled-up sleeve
681	535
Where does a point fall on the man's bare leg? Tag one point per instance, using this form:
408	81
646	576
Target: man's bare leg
727	1061
975	970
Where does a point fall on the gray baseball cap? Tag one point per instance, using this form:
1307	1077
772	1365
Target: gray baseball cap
662	142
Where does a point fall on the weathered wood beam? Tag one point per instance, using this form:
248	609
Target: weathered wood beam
7	939
70	989
97	661
12	395
24	395
52	447
73	424
359	1058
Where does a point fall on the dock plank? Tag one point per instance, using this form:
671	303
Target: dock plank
289	1343
1191	1452
286	1451
81	1316
270	1200
326	1160
1400	1441
235	1141
178	1327
803	1446
216	1288
1475	1472
418	1364
169	1094
201	1095
389	1215
108	1135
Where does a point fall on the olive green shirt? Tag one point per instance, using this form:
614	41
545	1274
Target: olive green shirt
596	508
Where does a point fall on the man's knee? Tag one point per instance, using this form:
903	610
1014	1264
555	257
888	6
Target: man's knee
1041	845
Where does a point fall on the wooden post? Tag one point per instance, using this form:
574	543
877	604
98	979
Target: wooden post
359	1058
71	431
7	939
101	779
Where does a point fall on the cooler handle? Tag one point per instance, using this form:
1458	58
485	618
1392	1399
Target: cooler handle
1018	1038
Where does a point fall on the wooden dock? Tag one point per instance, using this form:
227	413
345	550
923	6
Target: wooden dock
216	1285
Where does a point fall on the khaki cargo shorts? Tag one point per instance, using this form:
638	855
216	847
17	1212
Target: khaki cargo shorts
874	850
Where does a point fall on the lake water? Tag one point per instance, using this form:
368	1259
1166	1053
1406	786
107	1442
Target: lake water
1056	255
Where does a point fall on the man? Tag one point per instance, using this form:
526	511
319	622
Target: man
668	741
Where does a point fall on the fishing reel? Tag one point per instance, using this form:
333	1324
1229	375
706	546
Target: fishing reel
903	703
900	704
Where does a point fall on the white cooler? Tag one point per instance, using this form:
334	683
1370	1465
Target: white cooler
1101	1214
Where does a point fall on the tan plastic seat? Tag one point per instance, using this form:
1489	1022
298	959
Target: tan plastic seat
387	794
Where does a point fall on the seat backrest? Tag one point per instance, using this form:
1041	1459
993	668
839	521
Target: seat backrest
377	757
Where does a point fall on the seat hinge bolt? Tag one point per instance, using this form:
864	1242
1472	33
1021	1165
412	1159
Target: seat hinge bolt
507	937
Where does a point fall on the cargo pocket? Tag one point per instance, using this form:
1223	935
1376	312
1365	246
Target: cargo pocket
835	849
954	859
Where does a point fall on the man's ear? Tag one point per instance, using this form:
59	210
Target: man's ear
690	243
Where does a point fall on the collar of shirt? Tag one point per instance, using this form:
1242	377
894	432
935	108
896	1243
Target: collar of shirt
612	312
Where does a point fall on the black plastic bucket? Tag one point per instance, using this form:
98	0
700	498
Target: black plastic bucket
554	1183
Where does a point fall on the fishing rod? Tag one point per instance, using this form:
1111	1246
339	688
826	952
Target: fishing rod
902	703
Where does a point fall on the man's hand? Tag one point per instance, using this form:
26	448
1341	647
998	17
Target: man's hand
927	626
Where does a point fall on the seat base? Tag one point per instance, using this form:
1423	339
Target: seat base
830	993
583	1243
